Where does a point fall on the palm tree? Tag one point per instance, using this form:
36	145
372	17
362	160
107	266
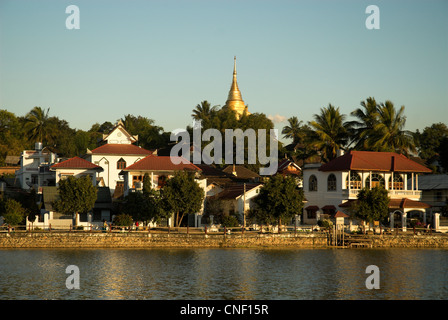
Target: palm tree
204	111
36	125
293	130
331	131
367	118
388	133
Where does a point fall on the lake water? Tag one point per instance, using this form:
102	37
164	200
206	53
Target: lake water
234	274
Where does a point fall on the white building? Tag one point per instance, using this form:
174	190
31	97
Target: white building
76	167
335	185
34	168
117	153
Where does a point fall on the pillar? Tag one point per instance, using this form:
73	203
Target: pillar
437	221
391	214
404	221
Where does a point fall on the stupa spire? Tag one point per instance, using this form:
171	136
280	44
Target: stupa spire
234	99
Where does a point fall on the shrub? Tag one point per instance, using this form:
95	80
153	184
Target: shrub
123	220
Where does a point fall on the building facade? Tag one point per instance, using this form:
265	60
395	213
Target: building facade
117	152
333	186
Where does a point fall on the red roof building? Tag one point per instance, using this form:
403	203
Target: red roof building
336	184
76	167
159	168
374	161
75	163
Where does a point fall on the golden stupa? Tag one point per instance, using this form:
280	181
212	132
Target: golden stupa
235	100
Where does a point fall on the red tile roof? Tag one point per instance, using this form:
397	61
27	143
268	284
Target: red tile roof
161	163
341	214
394	204
76	163
407	203
373	161
121	149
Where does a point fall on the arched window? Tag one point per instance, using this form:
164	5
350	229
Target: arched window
398	182
355	181
331	182
377	181
121	164
312	185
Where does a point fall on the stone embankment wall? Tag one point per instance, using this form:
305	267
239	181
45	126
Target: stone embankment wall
146	240
154	240
410	241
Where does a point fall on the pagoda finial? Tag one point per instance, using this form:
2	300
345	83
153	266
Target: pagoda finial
234	65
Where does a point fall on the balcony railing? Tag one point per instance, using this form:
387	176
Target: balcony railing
353	193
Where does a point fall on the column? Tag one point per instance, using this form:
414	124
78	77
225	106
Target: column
404	220
437	221
391	215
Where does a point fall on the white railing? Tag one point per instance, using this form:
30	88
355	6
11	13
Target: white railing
353	193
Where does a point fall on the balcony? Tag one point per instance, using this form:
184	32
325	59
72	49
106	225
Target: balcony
412	194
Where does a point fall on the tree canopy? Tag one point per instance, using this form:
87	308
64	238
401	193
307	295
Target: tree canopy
280	199
372	204
77	195
182	195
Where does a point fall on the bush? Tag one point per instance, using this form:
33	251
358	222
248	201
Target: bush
230	221
123	220
326	224
13	212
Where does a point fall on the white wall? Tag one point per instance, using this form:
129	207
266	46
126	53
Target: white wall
110	172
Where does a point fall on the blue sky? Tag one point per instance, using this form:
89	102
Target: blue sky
159	59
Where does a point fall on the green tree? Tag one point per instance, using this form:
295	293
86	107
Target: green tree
429	140
146	205
182	195
331	131
293	130
12	211
150	136
12	140
372	204
388	133
367	118
36	125
123	220
77	195
279	200
204	112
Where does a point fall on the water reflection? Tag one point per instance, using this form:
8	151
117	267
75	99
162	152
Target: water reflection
235	274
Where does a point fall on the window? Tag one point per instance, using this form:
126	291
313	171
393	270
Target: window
136	179
377	181
312	184
398	182
355	181
121	164
161	181
331	182
311	212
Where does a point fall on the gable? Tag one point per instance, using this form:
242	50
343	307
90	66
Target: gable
119	135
